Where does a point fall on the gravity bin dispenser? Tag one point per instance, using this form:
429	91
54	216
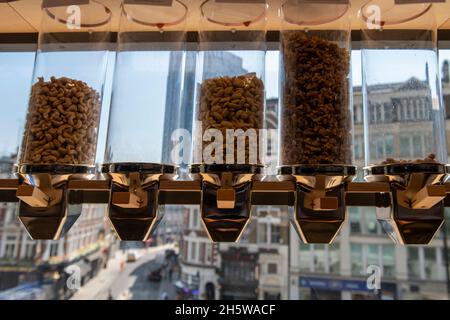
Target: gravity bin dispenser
165	116
146	99
60	137
315	118
404	131
229	113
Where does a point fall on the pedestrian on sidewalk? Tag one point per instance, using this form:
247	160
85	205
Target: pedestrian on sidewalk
110	296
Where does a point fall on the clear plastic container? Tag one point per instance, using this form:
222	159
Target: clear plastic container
229	112
66	95
404	117
16	62
229	81
315	119
148	84
403	112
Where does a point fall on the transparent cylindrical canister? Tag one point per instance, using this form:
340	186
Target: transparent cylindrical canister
148	83
229	112
60	136
404	129
66	94
229	104
315	119
403	112
147	98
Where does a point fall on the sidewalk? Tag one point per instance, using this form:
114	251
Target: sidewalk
99	287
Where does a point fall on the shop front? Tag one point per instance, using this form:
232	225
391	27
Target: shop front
317	288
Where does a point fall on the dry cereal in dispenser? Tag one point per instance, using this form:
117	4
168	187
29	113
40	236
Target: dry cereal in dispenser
62	122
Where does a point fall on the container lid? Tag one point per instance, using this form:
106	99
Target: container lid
306	12
155	13
391	13
86	14
233	12
12	20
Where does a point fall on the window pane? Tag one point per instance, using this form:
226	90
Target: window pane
389	144
417	145
357	259
275	234
319	258
431	266
272	268
373	255
371	220
262	232
305	257
355	226
334	258
413	263
404	147
388	260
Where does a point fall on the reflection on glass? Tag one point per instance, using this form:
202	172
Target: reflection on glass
319	258
356	256
403	104
431	266
388	260
413	263
334	258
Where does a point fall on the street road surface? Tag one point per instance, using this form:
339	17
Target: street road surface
132	282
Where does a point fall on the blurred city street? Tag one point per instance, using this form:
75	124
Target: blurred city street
132	281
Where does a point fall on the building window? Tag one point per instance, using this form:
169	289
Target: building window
305	257
193	251
413	263
334	258
319	258
389	145
30	251
359	147
388	260
208	253
262	232
423	263
195	220
388	113
202	252
356	256
185	250
405	148
10	251
272	296
272	268
370	221
54	250
431	264
373	255
364	255
275	235
355	226
417	145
